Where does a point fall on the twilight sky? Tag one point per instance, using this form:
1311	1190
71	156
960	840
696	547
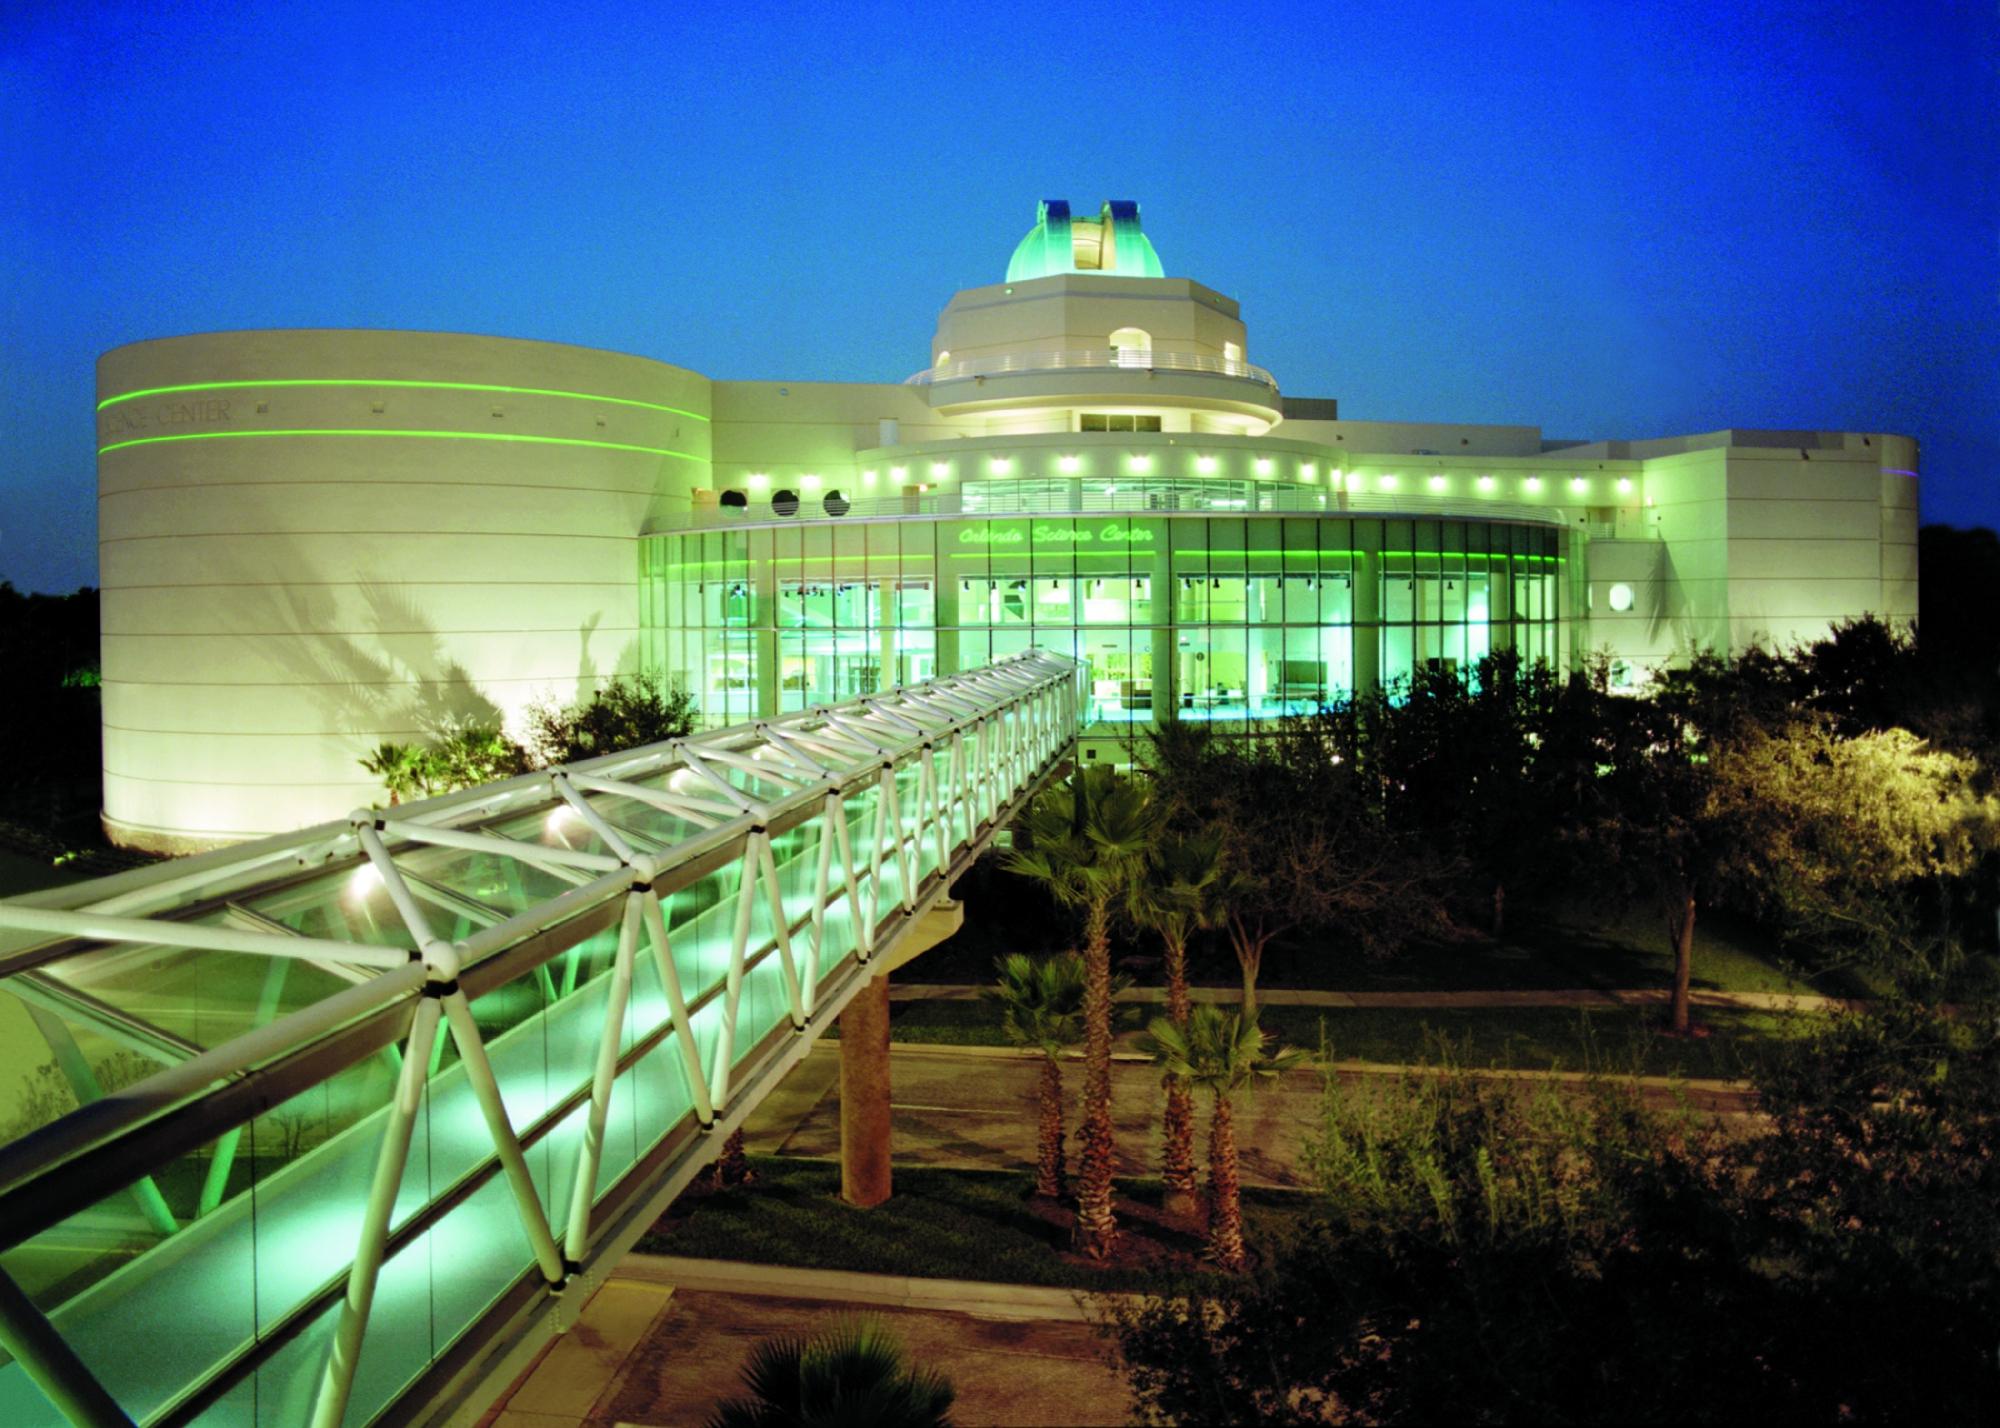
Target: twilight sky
1606	220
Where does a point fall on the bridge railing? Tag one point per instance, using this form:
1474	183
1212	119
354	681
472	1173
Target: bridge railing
402	1079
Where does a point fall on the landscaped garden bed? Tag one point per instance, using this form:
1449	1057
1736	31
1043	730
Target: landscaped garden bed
1614	1040
951	1224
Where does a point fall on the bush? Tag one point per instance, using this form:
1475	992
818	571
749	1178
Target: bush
1490	1254
461	756
624	714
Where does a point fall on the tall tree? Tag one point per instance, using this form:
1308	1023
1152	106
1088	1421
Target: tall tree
1041	1009
1851	847
1221	1054
1083	840
1304	845
1175	897
1448	762
1647	822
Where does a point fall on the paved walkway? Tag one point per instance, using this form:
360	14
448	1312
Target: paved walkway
1545	997
665	1339
962	1107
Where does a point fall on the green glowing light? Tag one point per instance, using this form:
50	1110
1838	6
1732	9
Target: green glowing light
1111	533
386	382
428	435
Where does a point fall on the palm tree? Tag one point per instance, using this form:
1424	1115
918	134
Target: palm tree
1083	841
401	767
851	1373
1175	897
1222	1054
1041	1009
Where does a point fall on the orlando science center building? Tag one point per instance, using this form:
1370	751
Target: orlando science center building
317	541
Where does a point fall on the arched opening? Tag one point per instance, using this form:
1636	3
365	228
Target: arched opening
1132	347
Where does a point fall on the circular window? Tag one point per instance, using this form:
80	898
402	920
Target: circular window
834	504
785	503
1621	597
735	498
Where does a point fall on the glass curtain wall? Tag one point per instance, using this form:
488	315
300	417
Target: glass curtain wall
1226	619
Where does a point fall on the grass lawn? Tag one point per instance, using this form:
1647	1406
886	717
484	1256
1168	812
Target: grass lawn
940	1224
1546	952
1582	947
1616	1040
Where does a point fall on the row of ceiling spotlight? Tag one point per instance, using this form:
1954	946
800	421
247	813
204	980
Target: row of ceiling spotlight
1141	463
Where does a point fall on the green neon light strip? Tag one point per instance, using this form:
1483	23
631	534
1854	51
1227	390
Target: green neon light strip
387	382
431	435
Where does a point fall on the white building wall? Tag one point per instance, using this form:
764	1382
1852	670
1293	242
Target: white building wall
275	605
1804	543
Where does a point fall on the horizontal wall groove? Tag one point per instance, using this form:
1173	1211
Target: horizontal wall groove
262	733
317	531
360	783
288	484
393	384
618	585
568	675
315	634
413	434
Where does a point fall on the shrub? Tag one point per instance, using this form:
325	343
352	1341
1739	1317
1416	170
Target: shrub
624	714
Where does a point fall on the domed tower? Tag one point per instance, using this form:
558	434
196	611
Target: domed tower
1087	324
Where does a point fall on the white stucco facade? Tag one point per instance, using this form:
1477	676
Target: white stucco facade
313	542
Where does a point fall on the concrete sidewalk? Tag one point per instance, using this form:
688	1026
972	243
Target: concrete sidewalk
1545	997
966	1108
665	1339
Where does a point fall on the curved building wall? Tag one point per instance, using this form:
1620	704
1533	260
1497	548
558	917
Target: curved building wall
1225	618
312	542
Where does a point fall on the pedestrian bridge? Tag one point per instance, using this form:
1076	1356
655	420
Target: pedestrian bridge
320	1129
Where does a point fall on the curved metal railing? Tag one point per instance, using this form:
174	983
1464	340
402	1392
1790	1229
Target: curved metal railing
1092	360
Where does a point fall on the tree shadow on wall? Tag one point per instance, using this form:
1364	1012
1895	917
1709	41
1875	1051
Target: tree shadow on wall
589	677
392	679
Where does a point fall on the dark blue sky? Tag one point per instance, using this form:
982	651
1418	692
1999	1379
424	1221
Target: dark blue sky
1607	220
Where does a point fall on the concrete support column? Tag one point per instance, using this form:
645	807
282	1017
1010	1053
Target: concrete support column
864	1095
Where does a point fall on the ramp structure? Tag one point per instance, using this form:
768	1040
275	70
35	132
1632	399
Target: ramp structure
315	1129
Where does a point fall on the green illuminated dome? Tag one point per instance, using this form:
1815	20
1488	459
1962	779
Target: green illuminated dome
1112	242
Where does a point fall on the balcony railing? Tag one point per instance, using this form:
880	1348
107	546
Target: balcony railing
1037	497
1098	360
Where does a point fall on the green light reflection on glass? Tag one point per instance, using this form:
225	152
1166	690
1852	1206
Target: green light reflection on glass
392	382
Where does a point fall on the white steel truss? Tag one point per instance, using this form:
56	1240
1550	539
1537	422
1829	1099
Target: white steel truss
749	873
